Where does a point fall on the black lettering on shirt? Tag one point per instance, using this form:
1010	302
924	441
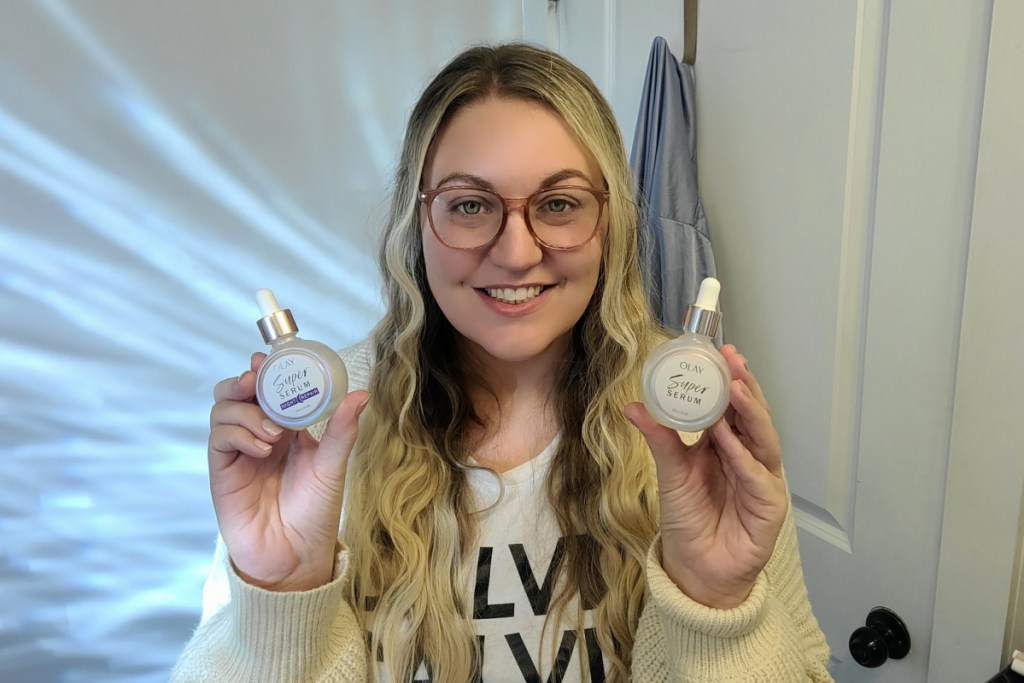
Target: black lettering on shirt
380	647
540	597
594	656
481	608
529	669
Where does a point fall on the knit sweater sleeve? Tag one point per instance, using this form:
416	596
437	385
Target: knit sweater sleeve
772	637
259	635
252	635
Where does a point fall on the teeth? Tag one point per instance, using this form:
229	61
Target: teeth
513	296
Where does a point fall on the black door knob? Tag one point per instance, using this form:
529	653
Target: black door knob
883	637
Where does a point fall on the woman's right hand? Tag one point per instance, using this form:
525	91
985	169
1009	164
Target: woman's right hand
278	493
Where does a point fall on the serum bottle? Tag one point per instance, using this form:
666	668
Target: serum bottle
685	381
301	382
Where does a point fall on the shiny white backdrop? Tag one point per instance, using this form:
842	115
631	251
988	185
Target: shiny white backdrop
160	162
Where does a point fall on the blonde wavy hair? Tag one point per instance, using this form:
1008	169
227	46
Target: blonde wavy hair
409	521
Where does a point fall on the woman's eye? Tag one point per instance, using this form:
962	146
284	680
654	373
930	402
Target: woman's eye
459	204
558	205
469	207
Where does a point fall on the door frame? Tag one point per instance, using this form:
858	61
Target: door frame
981	523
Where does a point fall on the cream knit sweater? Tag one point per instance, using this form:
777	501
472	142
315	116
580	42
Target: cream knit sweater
314	636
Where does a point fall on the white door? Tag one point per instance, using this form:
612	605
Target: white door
838	154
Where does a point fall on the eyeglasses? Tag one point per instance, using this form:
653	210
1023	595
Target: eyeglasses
562	217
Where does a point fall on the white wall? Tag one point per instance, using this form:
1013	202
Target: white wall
159	162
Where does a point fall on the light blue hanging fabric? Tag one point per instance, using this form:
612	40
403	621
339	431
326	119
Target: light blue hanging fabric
676	246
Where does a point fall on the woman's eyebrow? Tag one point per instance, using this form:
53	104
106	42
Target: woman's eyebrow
461	178
565	174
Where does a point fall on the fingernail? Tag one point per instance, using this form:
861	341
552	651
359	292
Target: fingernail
271	428
265	447
361	407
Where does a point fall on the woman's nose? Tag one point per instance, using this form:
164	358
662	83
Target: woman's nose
515	248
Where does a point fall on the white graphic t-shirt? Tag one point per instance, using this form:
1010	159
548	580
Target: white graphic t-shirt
513	583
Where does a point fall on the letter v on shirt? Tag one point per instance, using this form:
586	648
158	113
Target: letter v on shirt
520	548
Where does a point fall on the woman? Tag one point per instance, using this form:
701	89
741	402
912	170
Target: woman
503	520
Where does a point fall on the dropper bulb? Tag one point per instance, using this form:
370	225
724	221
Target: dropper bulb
267	302
707	295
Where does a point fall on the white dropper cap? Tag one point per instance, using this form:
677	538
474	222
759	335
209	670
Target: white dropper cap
707	295
702	316
276	321
267	302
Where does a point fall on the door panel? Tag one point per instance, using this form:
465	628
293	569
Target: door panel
837	155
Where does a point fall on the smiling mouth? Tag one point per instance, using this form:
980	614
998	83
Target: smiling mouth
513	295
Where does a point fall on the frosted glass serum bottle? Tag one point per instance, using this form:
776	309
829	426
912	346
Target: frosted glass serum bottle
685	381
301	381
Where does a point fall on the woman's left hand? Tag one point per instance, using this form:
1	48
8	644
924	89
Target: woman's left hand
723	499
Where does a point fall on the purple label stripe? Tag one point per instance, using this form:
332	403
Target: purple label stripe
300	398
